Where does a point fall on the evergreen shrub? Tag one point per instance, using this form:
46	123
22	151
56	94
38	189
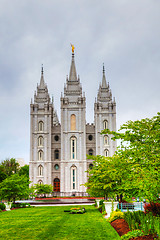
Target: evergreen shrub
2	206
20	205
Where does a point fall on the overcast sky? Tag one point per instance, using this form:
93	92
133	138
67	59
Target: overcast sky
122	34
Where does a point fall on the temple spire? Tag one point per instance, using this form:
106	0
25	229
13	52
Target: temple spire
73	74
104	83
42	83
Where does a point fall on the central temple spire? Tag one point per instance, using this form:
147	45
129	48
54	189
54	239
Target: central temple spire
73	74
104	83
42	83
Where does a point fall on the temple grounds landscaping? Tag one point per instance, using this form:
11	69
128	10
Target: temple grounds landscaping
53	223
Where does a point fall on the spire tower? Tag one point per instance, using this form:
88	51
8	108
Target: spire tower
42	83
73	73
104	83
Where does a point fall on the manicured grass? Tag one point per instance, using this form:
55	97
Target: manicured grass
53	223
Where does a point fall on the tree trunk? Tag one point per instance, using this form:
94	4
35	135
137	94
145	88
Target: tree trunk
121	196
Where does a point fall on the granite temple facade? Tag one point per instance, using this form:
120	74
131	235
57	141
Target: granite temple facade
58	149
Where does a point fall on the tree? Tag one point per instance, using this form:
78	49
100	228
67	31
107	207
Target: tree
14	187
107	178
32	192
2	176
43	189
10	166
140	150
24	171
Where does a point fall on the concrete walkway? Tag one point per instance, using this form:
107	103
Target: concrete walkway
61	204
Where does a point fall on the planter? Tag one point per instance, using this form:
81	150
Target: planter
98	200
8	206
108	207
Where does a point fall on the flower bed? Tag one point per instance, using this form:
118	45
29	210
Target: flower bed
76	210
122	228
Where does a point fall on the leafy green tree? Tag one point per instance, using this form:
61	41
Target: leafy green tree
14	187
24	171
43	189
2	176
10	166
107	178
32	191
140	150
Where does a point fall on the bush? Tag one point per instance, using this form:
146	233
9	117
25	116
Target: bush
2	206
152	207
148	224
20	205
115	215
104	213
132	234
101	202
95	204
101	207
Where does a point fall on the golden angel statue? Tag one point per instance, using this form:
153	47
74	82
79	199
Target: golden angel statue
72	48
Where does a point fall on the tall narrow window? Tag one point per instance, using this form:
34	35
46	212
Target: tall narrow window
40	155
106	153
40	126
106	141
73	147
40	170
56	154
73	122
90	152
73	177
105	124
40	141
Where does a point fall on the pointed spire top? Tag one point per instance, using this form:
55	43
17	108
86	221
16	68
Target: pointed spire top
42	84
104	83
42	69
103	69
73	74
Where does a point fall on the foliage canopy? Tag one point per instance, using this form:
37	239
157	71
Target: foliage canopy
14	187
134	169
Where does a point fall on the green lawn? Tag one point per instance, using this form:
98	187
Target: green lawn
53	223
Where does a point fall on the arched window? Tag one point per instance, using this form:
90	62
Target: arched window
40	141
106	140
90	165
106	153
73	177
90	152
40	182
56	154
40	170
40	155
73	147
73	122
40	126
105	124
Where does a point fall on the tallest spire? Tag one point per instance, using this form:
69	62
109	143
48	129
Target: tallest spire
104	83
42	84
73	74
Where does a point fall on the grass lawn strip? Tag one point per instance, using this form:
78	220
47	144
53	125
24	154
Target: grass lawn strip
53	223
